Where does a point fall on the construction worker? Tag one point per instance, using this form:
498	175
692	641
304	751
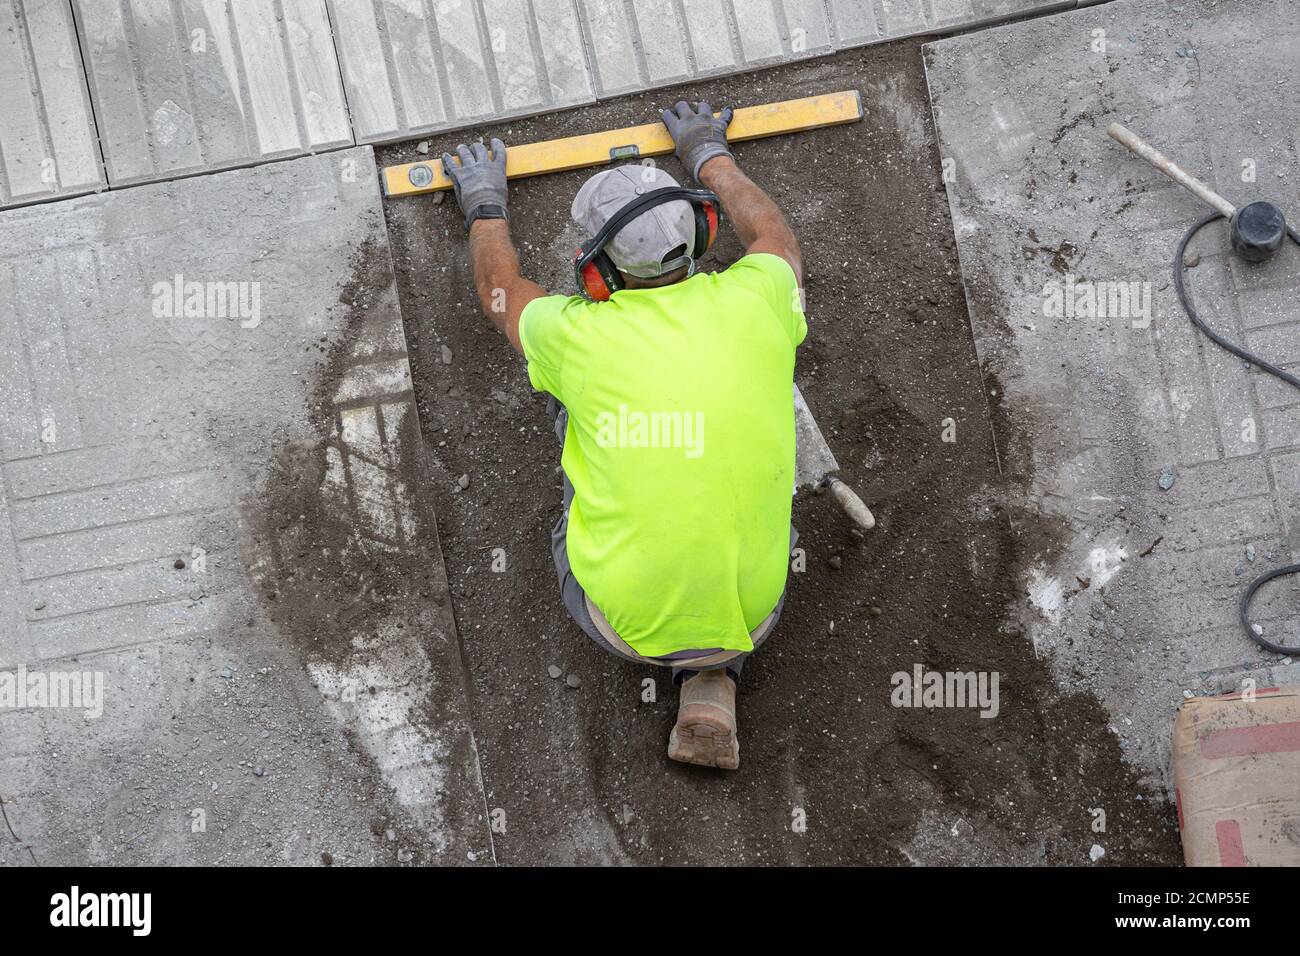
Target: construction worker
671	394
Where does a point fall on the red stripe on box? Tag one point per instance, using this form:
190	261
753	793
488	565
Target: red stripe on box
1239	741
1231	852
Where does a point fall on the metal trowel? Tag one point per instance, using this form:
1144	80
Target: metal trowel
815	465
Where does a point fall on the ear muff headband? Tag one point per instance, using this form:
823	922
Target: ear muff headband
595	273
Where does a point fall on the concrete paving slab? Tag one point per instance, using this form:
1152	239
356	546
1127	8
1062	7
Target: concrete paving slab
963	14
642	44
1134	591
186	86
212	502
413	67
48	148
649	43
208	84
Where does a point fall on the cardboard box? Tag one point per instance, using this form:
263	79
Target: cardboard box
1237	778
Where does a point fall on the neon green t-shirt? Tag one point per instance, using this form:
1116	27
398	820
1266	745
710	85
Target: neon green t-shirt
680	448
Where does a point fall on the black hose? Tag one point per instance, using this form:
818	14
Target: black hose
1184	299
1245	609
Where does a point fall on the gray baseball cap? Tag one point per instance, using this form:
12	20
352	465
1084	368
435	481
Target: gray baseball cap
640	247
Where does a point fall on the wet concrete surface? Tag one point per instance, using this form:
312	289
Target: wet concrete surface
831	771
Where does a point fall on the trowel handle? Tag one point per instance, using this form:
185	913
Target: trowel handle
852	504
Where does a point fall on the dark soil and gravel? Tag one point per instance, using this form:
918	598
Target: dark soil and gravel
580	771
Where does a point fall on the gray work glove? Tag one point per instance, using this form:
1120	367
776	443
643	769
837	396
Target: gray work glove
697	134
480	182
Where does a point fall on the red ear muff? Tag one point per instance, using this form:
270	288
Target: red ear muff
595	273
593	283
706	227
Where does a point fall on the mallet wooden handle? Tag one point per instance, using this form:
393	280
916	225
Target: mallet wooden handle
1140	147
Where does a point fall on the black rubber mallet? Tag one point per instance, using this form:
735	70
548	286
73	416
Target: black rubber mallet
1257	229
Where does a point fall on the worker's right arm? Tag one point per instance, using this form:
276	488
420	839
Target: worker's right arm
701	141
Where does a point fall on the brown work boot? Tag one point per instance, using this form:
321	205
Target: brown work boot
706	722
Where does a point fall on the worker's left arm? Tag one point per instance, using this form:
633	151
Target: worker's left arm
480	183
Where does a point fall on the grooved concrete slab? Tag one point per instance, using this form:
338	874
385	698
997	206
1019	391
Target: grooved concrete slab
212	497
187	86
1098	380
413	67
210	84
641	44
47	133
648	43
